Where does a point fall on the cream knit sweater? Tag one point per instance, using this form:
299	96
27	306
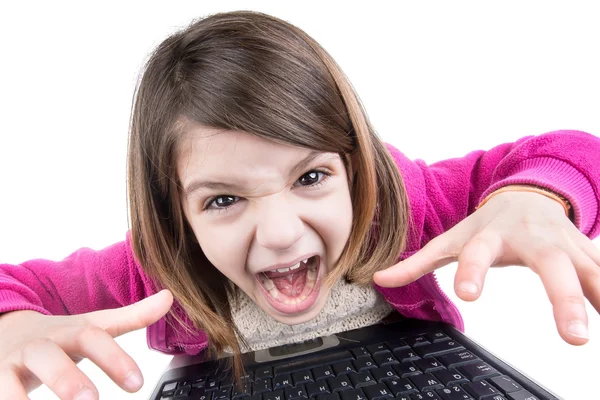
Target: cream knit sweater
348	307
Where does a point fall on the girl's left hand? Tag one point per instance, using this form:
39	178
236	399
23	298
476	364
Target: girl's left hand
515	228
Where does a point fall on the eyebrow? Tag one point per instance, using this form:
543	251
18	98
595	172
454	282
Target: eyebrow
216	185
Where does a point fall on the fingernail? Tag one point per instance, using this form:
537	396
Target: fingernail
86	394
469	287
578	329
133	381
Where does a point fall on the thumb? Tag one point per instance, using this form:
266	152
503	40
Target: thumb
119	321
438	252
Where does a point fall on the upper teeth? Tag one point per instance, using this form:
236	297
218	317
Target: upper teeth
293	267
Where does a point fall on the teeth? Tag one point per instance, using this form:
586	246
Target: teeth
295	266
274	292
283	270
311	274
268	284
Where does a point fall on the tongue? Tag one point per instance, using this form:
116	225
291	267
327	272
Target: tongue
291	285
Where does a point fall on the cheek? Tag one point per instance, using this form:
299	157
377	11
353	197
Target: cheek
333	222
225	248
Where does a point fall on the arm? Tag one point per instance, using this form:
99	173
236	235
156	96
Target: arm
85	281
565	162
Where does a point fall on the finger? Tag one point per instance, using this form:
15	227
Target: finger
589	248
99	347
588	273
560	280
474	260
12	388
133	317
435	254
46	360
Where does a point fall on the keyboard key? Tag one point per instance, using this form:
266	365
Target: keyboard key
339	383
212	384
364	363
406	369
360	379
317	388
324	372
522	395
312	362
428	364
353	394
282	381
480	389
397	344
222	394
199	382
401	386
450	377
274	395
415	341
297	392
426	382
263	373
437	336
328	396
406	355
385	358
377	392
478	371
378	348
244	391
439	348
260	386
183	391
344	367
169	389
360	351
505	384
381	374
425	396
302	377
452	360
454	393
201	394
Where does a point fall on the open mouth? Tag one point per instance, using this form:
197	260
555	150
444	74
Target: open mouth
293	289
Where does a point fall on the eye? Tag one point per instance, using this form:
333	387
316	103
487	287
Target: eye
221	202
312	178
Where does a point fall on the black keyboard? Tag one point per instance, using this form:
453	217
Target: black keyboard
429	365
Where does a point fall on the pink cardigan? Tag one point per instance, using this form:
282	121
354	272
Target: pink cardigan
440	195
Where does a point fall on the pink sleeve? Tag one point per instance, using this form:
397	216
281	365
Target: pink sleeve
85	281
445	192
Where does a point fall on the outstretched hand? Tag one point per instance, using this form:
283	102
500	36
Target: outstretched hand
37	348
515	228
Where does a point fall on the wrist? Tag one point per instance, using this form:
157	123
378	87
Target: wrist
566	205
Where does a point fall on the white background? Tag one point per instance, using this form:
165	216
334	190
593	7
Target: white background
438	80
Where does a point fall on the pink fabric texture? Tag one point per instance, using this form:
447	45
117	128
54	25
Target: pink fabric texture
440	195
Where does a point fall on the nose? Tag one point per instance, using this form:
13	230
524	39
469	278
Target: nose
279	226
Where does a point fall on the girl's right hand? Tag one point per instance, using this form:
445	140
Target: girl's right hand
37	348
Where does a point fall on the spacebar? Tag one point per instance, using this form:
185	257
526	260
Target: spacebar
312	362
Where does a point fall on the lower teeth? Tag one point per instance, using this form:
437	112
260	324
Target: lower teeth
311	277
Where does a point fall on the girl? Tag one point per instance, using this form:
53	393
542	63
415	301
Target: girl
261	198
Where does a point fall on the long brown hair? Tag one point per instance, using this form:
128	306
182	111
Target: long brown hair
255	73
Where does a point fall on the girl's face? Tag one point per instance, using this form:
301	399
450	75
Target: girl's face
272	218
